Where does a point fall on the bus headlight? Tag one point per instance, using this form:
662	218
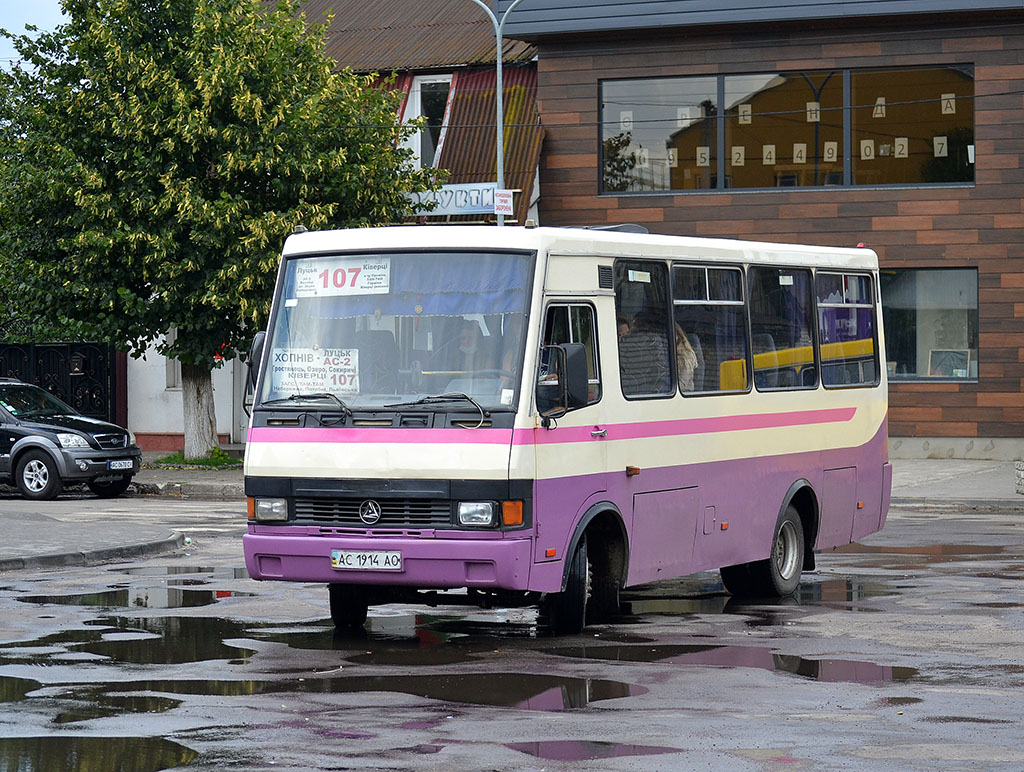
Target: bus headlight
481	514
271	510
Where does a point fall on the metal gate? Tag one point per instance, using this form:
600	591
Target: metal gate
81	374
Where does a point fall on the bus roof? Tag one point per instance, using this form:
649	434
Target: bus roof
573	241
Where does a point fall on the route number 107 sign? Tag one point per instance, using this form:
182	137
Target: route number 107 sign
330	277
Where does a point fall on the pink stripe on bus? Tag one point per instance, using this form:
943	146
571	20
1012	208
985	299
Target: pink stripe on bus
569	434
453	436
732	423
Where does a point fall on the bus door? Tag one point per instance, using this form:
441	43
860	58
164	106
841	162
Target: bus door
572	454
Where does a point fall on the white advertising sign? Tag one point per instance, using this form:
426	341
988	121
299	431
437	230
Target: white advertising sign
343	276
315	370
503	202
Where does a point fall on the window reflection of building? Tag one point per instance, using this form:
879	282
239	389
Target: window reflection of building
908	126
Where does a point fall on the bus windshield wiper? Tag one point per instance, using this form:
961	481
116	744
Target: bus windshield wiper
451	396
315	395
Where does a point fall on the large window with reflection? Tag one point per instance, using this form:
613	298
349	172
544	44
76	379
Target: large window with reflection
908	126
659	134
931	323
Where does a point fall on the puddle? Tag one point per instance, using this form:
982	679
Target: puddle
525	691
124	754
13	689
586	750
832	593
898	702
929	553
221	572
965	720
105	706
826	670
137	597
152	641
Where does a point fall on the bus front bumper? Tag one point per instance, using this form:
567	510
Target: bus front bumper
282	553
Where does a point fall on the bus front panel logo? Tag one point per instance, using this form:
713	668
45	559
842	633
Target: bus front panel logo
369	511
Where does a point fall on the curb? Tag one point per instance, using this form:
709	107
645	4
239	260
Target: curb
966	505
57	560
188	490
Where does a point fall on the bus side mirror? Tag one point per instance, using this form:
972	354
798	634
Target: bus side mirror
563	384
255	357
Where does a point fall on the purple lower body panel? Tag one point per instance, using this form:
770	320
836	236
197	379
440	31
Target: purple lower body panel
301	554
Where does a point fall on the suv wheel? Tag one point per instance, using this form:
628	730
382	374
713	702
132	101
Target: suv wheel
37	476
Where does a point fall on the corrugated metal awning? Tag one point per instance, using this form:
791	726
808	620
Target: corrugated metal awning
388	35
471	143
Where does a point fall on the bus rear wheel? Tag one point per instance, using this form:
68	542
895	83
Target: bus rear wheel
779	574
349	604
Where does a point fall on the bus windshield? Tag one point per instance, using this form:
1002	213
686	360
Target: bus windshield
373	330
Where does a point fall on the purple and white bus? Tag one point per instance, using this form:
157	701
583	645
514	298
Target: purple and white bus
540	415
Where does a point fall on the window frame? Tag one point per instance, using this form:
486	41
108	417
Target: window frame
873	304
813	310
742	302
570	304
669	332
720	158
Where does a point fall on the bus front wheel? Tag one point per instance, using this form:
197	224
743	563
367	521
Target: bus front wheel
566	611
348	606
779	574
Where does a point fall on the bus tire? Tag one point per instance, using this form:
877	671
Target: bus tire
778	575
566	611
349	604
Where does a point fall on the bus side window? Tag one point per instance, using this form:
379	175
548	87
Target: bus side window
574	323
709	312
782	328
846	329
642	314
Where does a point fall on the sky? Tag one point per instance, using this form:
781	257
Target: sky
15	14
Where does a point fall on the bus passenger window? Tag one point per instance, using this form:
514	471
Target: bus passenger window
710	314
846	329
575	324
641	306
782	328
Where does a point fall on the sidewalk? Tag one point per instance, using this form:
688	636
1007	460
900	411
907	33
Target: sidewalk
934	484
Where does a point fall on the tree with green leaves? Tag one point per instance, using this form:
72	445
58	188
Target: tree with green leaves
154	154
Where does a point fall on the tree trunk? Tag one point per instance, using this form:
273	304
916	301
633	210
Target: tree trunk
197	401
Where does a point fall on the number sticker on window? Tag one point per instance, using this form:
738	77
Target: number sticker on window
343	276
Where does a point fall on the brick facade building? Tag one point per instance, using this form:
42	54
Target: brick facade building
818	123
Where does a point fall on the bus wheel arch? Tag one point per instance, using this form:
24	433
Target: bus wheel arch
594	572
802	498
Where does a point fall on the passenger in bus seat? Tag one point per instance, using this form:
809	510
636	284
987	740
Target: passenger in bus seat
686	360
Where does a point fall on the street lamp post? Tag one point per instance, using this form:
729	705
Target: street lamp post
499	25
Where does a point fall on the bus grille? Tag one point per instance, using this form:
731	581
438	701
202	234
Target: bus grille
416	513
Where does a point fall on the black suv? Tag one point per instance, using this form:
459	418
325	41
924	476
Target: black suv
45	443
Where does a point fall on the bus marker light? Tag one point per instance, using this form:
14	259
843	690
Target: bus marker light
860	505
725	526
550	553
632	471
512	512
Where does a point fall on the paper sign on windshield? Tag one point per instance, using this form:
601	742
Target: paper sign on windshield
343	276
315	370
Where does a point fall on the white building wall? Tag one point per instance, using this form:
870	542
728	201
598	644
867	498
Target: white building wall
155	411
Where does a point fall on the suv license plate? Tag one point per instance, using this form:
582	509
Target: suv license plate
360	560
124	463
